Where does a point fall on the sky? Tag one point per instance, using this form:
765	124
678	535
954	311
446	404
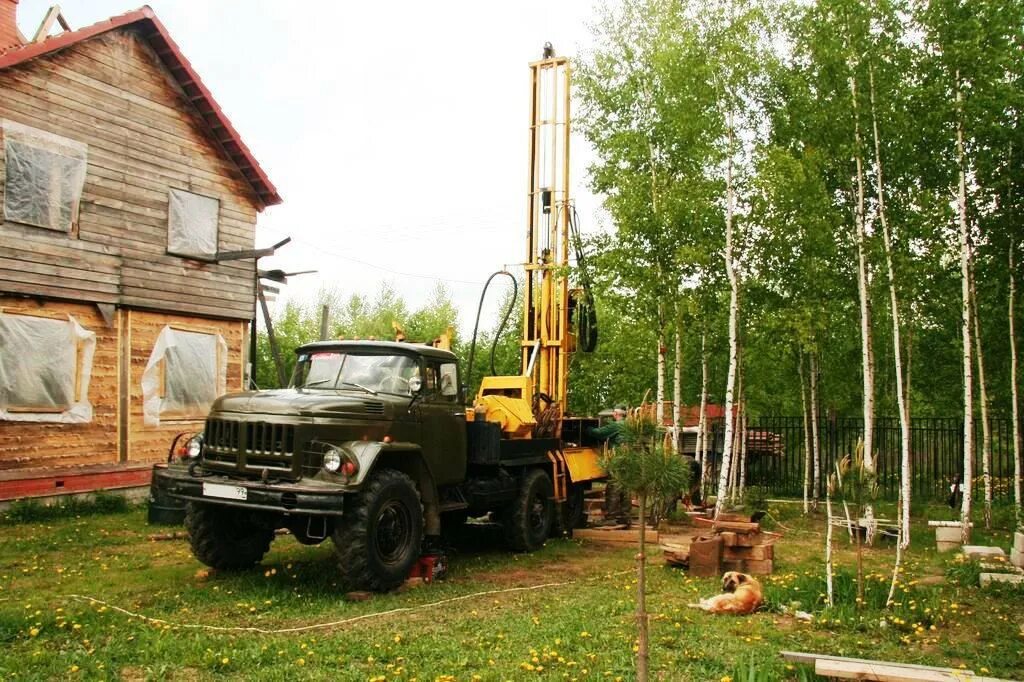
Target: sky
396	132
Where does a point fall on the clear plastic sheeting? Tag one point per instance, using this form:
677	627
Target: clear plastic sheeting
192	224
45	367
44	178
185	374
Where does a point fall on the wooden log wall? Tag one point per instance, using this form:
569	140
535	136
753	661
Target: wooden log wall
33	444
143	136
140	331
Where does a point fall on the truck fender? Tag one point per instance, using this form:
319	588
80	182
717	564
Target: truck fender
404	457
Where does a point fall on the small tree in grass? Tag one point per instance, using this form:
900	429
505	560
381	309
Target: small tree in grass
643	465
857	485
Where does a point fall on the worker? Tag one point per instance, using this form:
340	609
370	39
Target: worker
618	504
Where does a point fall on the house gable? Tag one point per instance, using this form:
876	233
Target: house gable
145	138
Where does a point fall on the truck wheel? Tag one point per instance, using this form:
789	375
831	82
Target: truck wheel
527	520
378	538
225	538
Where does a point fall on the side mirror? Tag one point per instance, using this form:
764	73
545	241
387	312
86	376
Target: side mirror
415	385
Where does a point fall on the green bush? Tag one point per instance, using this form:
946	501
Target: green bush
32	511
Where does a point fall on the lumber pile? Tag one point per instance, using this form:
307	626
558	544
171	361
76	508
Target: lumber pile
615	536
733	544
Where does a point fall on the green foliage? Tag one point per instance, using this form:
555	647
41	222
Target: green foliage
964	572
642	464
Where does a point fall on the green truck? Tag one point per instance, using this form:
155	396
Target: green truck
370	446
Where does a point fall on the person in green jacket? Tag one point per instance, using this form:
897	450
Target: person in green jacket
618	504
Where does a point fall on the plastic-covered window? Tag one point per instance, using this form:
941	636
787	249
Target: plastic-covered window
192	224
45	366
186	372
45	174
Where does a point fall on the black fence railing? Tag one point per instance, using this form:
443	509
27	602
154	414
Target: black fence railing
776	454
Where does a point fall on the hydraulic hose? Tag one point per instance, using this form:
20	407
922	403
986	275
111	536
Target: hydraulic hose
501	327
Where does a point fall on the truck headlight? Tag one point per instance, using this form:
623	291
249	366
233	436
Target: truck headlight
332	460
195	447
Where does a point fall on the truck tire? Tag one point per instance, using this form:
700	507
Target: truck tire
378	538
225	538
527	519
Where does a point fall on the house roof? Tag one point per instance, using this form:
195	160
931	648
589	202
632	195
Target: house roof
144	20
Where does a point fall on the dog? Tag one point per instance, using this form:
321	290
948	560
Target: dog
742	595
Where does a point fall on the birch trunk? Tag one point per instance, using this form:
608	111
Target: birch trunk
723	478
895	310
737	460
867	358
828	546
1013	392
807	436
815	439
965	275
702	422
900	544
986	427
677	390
659	409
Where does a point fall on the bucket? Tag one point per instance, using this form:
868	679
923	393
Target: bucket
947	538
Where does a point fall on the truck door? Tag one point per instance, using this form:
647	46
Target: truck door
443	431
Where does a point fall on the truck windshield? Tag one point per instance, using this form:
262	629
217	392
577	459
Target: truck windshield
371	373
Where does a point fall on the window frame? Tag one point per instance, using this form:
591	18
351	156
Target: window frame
49	142
203	258
55	414
187	415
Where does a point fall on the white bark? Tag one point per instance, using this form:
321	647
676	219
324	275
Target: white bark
659	409
900	544
702	423
723	478
1013	392
677	389
965	275
901	401
828	547
867	358
815	439
807	436
986	428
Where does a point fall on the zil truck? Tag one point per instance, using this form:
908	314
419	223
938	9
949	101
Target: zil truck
376	446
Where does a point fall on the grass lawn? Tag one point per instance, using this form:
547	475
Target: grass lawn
580	627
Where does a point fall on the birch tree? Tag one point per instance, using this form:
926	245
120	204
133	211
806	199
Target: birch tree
1015	405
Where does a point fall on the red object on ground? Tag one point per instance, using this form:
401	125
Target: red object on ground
430	567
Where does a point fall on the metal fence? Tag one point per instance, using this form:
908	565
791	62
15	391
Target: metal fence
776	454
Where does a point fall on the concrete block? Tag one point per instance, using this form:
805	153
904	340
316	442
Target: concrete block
1018	542
947	538
983	552
1011	578
1017	558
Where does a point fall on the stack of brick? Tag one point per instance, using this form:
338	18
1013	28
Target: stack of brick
735	544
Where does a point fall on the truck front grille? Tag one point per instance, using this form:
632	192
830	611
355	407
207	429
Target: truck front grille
249	446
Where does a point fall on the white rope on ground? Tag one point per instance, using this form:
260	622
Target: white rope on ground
337	623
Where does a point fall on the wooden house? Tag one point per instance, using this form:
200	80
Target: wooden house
123	186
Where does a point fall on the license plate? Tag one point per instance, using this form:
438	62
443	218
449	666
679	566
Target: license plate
228	492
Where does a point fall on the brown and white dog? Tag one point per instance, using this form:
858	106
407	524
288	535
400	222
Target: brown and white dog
742	594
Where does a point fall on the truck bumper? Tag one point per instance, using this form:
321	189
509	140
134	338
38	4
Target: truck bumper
282	498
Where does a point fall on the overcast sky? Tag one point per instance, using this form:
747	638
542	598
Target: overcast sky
396	132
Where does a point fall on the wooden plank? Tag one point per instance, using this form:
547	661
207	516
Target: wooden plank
734	526
807	658
631	536
881	672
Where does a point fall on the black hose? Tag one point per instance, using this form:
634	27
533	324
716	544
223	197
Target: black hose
501	327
